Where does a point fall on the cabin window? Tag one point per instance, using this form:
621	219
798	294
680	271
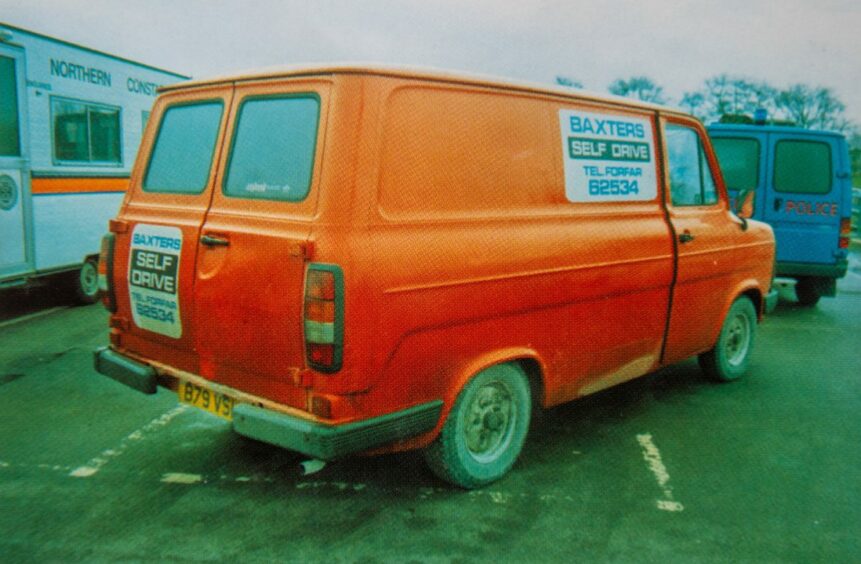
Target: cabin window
85	132
691	181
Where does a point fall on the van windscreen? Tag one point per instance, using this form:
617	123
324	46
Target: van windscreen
739	161
802	167
272	154
184	146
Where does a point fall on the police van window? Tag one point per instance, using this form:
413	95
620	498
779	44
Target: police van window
739	161
85	132
184	147
691	182
273	148
9	139
802	167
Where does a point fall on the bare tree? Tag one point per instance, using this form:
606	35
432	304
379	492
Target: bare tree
570	82
814	107
640	87
724	95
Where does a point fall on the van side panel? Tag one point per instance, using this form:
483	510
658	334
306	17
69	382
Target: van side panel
477	250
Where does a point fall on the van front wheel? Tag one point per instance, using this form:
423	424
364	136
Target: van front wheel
485	430
729	358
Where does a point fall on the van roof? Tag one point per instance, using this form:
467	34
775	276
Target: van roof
420	73
769	128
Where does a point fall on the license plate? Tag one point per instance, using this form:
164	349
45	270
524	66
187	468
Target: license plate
207	400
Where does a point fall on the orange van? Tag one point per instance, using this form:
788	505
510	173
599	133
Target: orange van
361	259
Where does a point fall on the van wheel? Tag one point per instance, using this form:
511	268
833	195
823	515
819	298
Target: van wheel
86	282
729	358
485	430
807	292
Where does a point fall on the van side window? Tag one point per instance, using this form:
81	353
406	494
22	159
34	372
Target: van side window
184	147
802	167
739	161
273	148
691	181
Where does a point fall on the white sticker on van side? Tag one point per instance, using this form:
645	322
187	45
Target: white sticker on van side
154	278
608	158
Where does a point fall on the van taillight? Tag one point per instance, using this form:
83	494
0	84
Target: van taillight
845	232
106	272
324	317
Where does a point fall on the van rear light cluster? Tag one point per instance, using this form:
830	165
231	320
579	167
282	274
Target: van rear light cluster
845	232
324	317
106	272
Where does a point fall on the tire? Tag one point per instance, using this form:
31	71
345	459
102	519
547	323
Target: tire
485	430
807	292
86	282
729	358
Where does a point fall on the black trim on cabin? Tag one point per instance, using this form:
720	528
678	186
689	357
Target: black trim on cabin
69	174
665	206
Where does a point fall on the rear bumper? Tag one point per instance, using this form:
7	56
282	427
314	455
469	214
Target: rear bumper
124	370
800	269
310	437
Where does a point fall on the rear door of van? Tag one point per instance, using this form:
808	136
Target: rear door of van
742	155
157	235
803	196
249	286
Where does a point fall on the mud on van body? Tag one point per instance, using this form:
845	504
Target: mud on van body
364	259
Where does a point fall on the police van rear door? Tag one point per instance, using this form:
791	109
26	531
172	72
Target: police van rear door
742	154
802	199
159	228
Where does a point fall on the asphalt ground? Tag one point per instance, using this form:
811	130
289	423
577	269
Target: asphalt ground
669	467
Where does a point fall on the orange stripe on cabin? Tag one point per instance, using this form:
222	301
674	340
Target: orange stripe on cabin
77	185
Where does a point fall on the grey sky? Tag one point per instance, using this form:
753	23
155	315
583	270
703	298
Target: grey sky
678	44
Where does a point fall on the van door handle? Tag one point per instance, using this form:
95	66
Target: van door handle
213	241
778	202
686	237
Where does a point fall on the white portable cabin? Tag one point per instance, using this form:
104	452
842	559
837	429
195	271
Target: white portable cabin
71	120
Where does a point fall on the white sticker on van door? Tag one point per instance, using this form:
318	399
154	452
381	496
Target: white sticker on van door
154	278
607	157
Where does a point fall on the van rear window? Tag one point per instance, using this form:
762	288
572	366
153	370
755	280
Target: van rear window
739	161
802	167
184	146
273	148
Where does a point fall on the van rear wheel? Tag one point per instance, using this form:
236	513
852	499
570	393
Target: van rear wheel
86	282
807	292
729	358
485	430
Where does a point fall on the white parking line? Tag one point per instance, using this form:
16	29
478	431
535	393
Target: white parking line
181	478
421	493
652	456
96	464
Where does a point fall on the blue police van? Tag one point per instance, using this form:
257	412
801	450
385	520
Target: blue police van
802	186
